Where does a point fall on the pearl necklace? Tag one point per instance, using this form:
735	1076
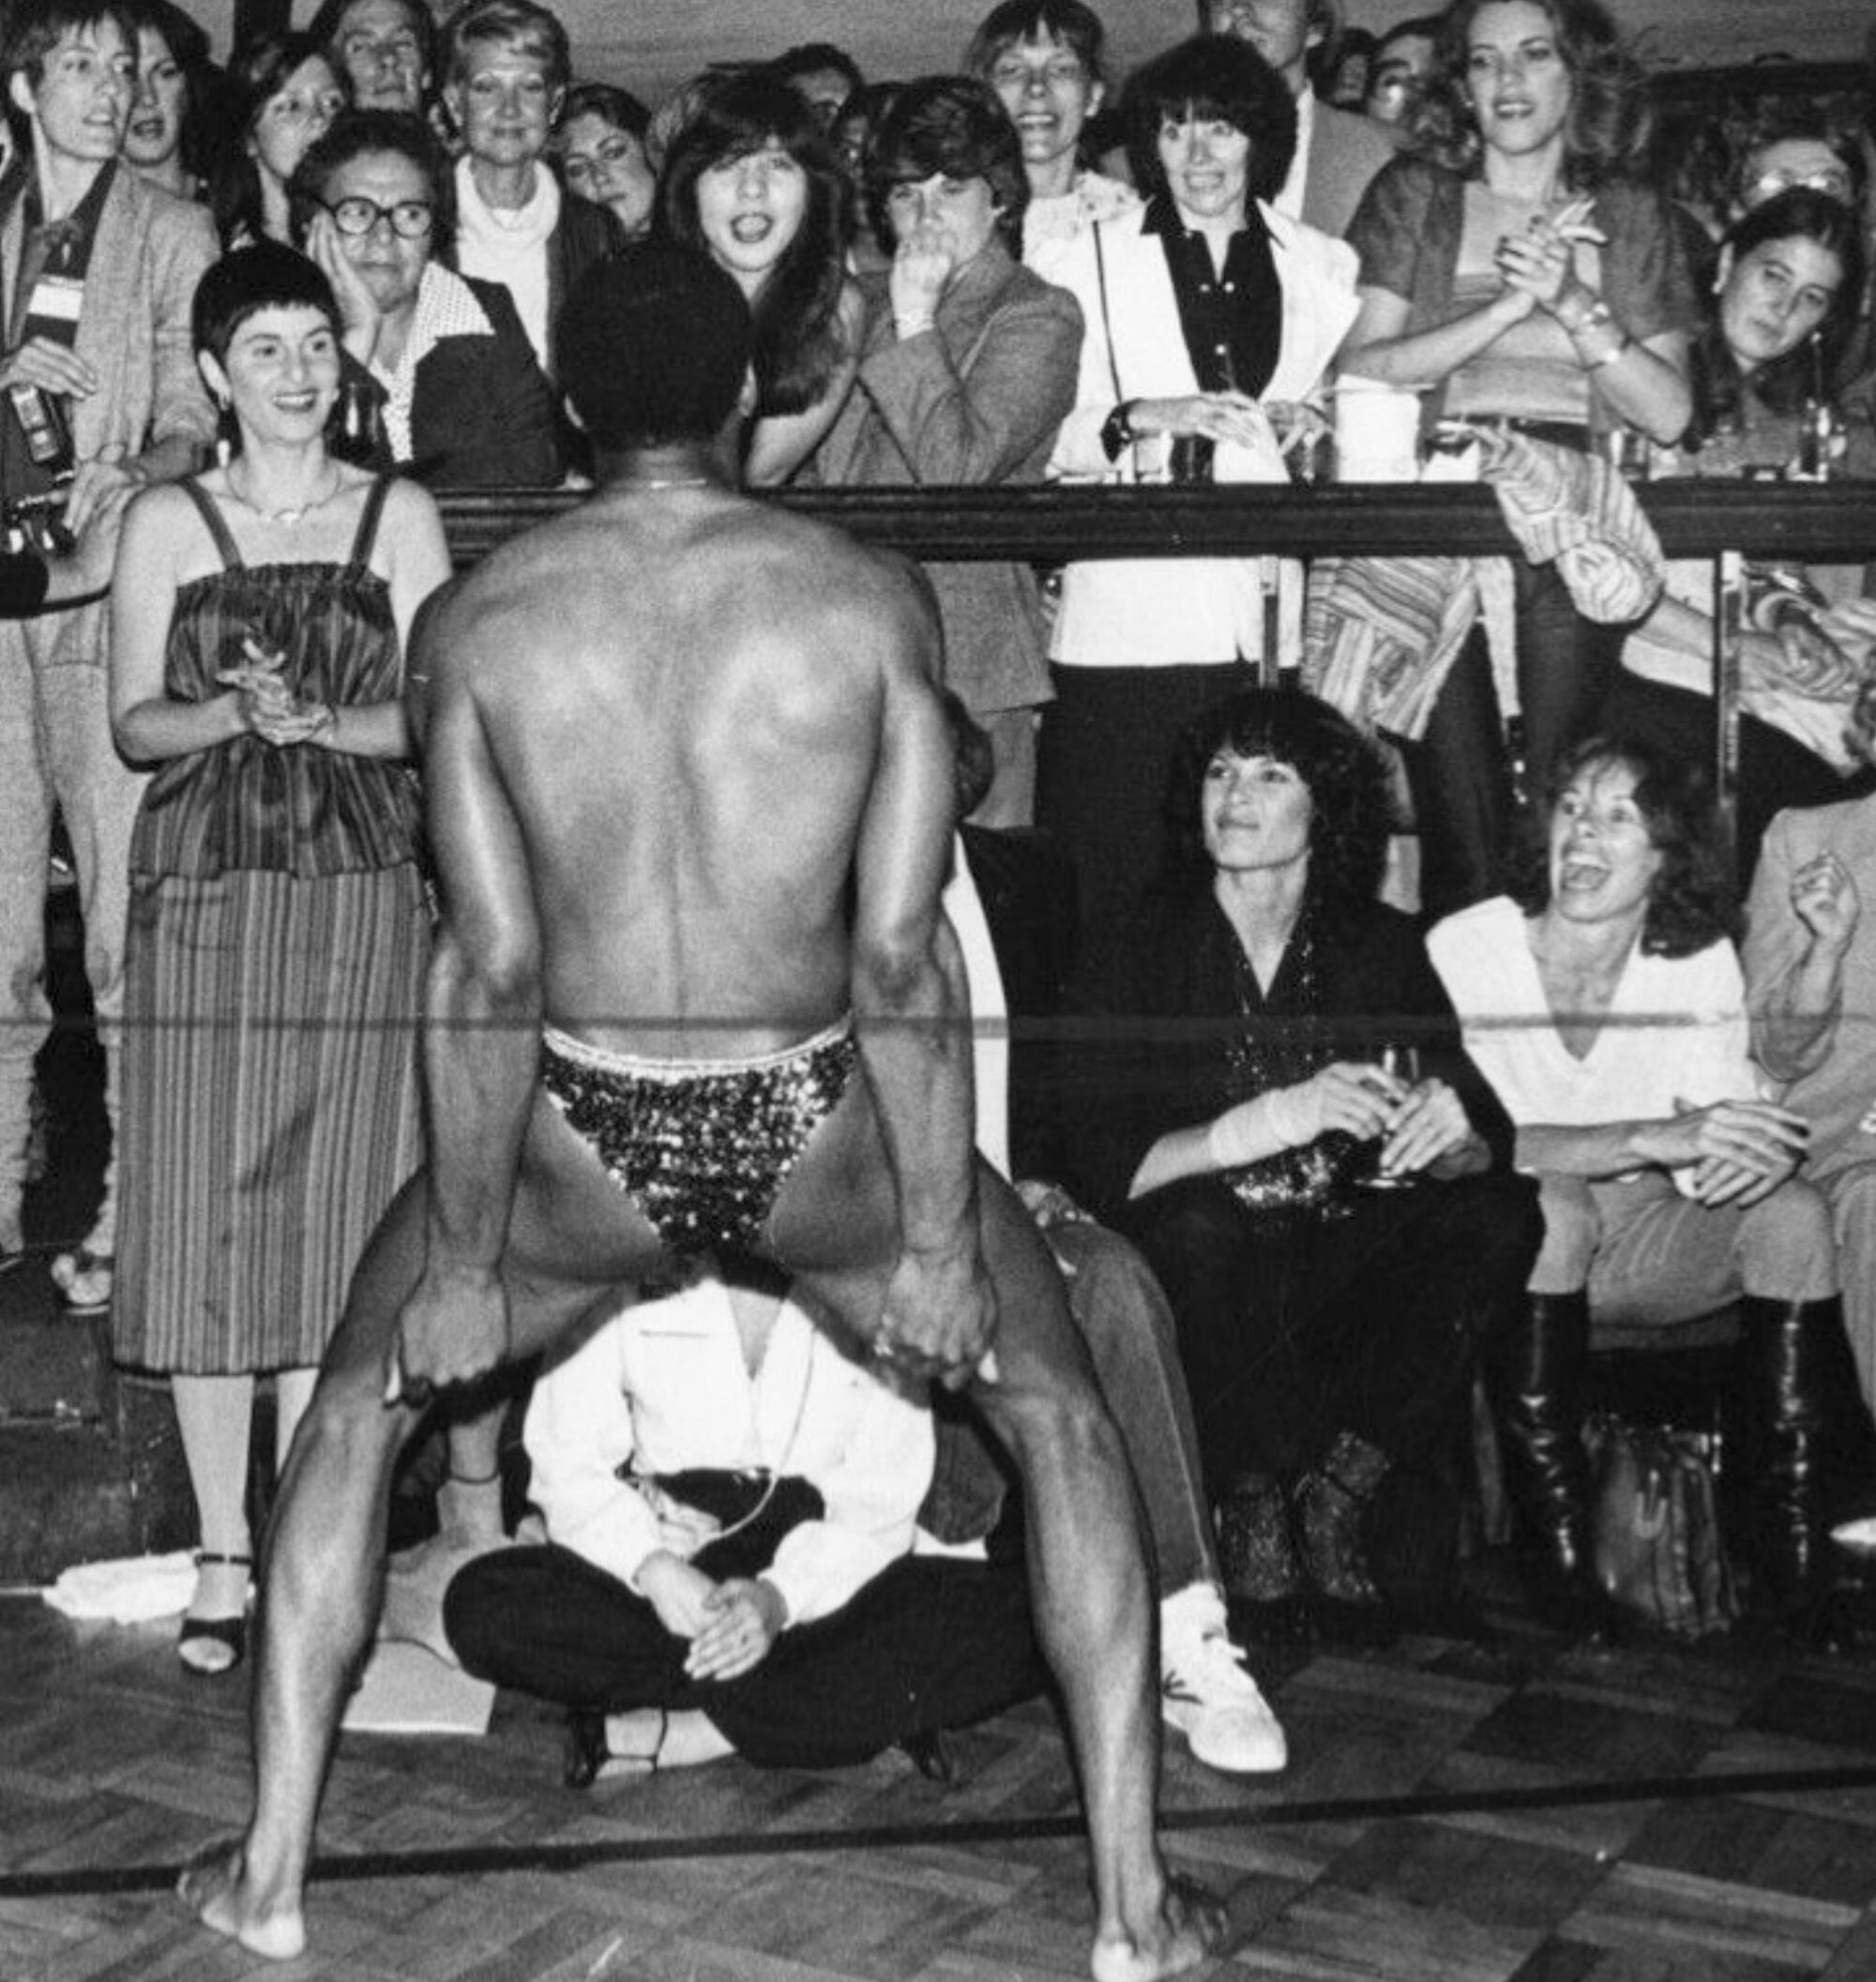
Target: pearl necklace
290	517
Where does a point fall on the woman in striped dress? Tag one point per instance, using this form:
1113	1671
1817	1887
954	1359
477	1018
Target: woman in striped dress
278	927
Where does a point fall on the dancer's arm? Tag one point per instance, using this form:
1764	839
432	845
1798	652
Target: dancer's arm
913	1017
482	1027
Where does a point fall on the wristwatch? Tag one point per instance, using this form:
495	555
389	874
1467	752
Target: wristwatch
1117	429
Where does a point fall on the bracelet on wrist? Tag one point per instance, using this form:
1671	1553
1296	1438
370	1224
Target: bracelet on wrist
1592	316
1618	349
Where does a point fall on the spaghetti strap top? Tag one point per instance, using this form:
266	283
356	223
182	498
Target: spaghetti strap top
298	807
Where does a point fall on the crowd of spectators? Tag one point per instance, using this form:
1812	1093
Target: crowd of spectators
262	307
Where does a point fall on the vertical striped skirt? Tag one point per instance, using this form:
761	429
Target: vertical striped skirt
270	1107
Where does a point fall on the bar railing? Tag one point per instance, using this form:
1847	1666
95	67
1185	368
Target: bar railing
1724	522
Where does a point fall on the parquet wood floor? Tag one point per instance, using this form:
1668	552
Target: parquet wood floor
1488	1809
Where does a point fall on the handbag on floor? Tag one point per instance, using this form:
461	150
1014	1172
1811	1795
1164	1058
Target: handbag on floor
1655	1522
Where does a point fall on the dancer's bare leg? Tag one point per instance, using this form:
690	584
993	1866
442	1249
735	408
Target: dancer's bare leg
1089	1584
324	1569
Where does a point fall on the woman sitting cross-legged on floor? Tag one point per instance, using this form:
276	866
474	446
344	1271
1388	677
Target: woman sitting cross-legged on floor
1605	1003
1329	1328
729	1505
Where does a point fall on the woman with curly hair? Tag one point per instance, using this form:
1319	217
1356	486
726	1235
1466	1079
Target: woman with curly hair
1514	272
1338	1240
753	181
1605	1003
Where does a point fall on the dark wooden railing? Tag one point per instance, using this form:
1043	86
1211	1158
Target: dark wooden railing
1720	521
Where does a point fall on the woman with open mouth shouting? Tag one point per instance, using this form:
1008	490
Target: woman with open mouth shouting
753	182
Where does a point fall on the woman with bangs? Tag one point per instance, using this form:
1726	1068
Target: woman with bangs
1605	1003
1339	1237
753	181
1516	274
1208	314
967	369
1791	272
282	94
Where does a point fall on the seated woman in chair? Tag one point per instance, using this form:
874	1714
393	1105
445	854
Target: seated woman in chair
1337	1241
1605	1004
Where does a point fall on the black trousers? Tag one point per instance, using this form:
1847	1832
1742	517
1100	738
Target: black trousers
1465	800
929	1645
1296	1325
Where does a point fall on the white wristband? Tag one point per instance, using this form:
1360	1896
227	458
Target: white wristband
910	326
1254	1129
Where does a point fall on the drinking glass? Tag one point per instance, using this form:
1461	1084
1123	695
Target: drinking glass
1399	1062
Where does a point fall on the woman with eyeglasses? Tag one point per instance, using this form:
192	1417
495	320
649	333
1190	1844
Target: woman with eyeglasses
450	385
278	919
283	91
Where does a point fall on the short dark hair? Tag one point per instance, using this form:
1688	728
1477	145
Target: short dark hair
1691	904
609	103
808	56
353	134
1783	120
511	23
1346	775
655	345
1416	28
36	27
329	23
1015	21
1213	76
266	276
954	124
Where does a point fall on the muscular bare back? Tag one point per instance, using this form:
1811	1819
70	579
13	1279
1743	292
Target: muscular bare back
695	706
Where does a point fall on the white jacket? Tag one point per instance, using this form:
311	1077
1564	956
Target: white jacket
1154	613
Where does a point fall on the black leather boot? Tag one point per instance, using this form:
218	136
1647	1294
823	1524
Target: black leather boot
1798	1385
1536	1370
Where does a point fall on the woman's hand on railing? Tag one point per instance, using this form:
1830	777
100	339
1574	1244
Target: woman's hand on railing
1235	417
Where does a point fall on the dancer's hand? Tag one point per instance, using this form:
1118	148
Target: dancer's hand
453	1328
745	1616
940	1318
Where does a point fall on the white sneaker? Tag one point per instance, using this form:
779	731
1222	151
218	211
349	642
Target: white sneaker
1206	1692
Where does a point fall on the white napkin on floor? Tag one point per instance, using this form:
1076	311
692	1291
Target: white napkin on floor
131	1590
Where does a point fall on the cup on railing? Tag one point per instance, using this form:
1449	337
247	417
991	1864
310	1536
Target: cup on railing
1190	462
1629	453
1377	432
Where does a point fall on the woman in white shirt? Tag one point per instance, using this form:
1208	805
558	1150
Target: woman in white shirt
1606	1007
730	1508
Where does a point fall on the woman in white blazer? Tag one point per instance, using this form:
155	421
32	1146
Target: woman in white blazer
1201	310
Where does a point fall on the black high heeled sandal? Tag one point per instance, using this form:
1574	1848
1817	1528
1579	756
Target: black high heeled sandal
231	1633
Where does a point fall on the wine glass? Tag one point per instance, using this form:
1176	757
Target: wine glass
1399	1062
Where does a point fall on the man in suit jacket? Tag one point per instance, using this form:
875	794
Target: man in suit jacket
1338	151
123	375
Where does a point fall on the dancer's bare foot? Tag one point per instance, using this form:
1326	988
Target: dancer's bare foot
1190	1928
215	1888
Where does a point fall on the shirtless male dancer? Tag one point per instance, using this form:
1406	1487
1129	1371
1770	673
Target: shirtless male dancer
689	785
